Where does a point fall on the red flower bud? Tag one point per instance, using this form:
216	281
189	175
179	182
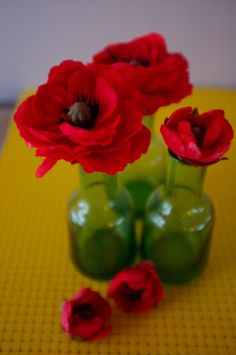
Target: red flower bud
197	139
137	290
86	315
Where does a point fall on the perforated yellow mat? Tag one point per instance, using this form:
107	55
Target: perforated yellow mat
36	272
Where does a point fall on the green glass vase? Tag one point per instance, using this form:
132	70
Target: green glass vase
101	225
178	223
142	177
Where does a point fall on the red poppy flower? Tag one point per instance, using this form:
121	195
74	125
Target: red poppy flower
86	315
86	115
197	139
162	77
137	290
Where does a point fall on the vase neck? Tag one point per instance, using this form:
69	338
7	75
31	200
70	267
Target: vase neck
182	175
98	186
148	120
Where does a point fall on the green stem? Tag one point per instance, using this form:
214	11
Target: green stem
170	176
183	175
201	180
111	185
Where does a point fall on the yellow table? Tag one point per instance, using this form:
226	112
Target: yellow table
36	272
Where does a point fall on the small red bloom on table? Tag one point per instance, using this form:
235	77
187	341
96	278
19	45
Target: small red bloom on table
86	315
86	115
162	77
198	139
137	290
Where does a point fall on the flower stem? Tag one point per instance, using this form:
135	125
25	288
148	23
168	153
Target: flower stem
170	176
111	185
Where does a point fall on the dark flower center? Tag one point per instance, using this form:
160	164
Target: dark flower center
199	134
138	63
84	311
82	114
112	56
135	61
133	295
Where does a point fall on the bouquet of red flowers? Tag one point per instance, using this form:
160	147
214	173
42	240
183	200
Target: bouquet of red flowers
96	115
92	114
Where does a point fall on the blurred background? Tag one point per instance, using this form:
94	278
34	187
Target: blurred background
35	35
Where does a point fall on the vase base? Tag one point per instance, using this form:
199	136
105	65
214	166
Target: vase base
96	276
104	252
179	257
184	279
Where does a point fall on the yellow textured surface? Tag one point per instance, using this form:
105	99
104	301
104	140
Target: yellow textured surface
36	272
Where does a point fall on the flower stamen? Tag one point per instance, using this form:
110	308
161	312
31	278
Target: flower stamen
85	311
133	295
80	114
199	134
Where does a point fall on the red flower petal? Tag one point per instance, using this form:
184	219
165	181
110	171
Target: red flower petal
106	97
48	103
210	156
191	149
173	141
99	159
65	315
130	122
139	144
94	136
81	84
61	72
184	127
45	166
213	131
87	329
181	114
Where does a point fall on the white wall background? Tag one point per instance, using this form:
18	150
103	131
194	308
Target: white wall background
36	34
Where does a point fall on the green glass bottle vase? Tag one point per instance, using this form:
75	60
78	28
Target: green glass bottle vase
142	177
178	223
101	225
